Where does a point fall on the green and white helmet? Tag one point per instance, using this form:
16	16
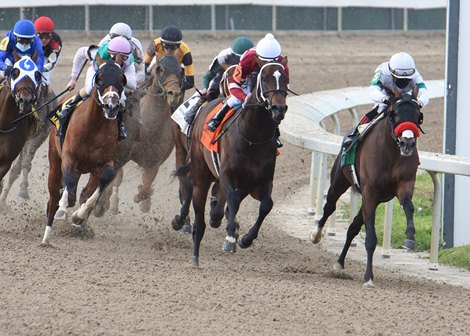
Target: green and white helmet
241	44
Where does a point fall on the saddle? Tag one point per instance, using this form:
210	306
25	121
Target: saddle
209	138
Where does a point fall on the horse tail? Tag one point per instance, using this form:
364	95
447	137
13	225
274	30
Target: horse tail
182	171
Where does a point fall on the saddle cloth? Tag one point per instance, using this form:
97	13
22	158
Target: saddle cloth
209	136
53	116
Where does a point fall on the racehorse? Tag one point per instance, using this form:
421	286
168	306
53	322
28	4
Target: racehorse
17	97
23	164
90	146
386	162
158	136
247	152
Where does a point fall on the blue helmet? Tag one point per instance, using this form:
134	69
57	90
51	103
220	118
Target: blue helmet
24	29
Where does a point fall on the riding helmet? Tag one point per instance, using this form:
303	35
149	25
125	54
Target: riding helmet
119	45
121	29
402	65
268	49
241	44
24	29
171	35
44	24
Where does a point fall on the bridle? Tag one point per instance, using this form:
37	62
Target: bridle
101	98
392	112
162	82
261	93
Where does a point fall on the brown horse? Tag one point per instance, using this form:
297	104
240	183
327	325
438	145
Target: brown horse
386	162
23	164
247	153
90	146
17	97
159	134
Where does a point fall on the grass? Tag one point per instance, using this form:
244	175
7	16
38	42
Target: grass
423	203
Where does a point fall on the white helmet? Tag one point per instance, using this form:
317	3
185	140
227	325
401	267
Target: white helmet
121	29
268	49
402	65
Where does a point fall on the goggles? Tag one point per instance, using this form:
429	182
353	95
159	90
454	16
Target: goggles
113	56
46	36
402	73
24	40
170	46
113	35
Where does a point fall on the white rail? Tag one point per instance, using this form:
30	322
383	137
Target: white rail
303	127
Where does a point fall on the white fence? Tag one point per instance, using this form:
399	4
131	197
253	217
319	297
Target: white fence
304	127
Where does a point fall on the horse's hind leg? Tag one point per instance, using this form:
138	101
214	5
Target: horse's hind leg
234	199
200	191
266	204
405	194
338	186
353	231
144	191
12	177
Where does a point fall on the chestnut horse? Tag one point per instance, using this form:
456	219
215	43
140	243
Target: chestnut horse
386	162
247	152
159	135
17	97
90	146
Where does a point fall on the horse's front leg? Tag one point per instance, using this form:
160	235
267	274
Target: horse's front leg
145	191
368	212
217	206
405	195
353	231
266	204
89	197
200	190
233	203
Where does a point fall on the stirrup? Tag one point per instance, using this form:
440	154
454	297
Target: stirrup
122	134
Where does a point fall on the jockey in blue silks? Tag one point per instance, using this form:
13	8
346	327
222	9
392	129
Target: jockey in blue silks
23	40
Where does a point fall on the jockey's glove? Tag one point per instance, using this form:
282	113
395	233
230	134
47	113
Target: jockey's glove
188	82
7	70
420	103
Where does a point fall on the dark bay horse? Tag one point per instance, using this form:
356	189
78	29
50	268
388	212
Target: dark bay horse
247	153
17	97
90	146
23	164
386	164
159	135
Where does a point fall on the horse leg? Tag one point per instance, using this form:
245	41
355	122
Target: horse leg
145	191
353	231
200	190
92	192
114	199
405	195
28	156
54	185
217	205
12	177
338	186
266	204
3	171
233	203
368	211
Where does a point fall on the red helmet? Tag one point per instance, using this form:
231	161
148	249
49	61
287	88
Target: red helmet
44	24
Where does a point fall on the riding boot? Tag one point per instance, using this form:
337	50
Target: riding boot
218	117
66	112
122	134
189	115
354	133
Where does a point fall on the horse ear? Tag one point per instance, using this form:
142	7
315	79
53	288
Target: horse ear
35	56
124	80
415	91
284	61
396	93
38	76
99	60
15	73
16	57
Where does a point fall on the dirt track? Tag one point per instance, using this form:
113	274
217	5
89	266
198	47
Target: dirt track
133	276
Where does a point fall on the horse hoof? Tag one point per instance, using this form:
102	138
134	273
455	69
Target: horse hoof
242	243
145	205
24	195
99	211
76	220
186	229
114	211
316	235
409	244
338	267
196	261
215	223
369	284
177	223
230	244
61	215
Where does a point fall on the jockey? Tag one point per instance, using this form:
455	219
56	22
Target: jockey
211	79
22	40
171	42
398	74
119	49
267	50
51	44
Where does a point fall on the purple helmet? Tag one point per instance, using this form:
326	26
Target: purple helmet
119	45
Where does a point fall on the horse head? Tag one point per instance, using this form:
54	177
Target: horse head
406	117
24	82
110	82
167	79
271	89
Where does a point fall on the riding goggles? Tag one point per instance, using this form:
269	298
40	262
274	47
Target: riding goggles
170	46
46	36
113	56
402	73
24	40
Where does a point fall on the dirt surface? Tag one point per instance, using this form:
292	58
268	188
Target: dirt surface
131	274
